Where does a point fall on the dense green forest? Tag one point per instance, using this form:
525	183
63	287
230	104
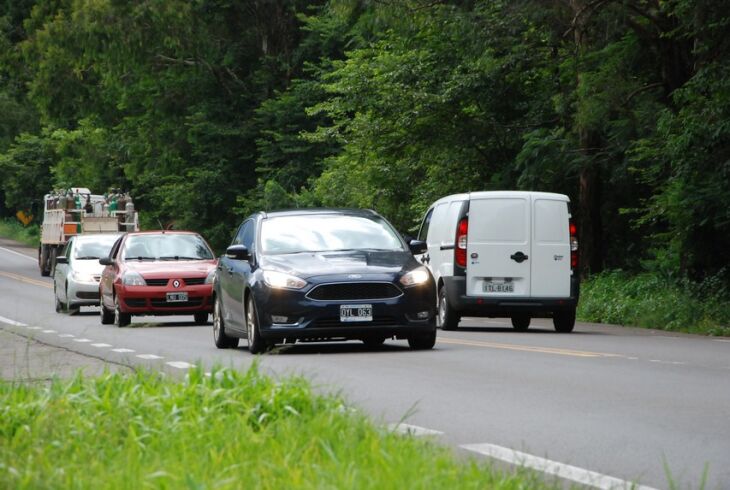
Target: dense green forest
206	110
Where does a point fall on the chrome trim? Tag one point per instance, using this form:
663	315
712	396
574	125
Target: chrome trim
351	283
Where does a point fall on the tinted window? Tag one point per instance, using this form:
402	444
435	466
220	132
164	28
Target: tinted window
245	234
327	232
166	247
423	232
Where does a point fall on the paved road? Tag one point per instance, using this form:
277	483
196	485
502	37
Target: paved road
605	404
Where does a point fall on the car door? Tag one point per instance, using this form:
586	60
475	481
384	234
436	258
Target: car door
232	275
550	261
61	272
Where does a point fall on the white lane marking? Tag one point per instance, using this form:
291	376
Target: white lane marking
12	322
83	341
49	331
18	253
101	345
123	350
180	364
35	328
565	471
413	430
149	356
721	340
66	336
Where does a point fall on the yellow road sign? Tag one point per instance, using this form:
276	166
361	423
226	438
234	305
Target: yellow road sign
24	218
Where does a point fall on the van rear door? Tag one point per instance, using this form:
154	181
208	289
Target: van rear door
498	246
550	260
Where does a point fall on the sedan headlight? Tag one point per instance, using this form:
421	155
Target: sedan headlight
277	280
415	277
211	276
133	279
82	277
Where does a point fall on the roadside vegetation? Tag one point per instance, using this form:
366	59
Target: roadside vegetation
650	300
228	430
13	229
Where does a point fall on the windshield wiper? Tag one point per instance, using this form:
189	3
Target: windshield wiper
180	257
139	258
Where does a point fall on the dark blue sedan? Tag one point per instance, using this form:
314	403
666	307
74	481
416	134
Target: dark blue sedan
320	275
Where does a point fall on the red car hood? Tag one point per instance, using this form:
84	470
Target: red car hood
172	268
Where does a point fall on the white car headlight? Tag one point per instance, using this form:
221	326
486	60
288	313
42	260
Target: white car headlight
415	277
133	279
82	277
276	279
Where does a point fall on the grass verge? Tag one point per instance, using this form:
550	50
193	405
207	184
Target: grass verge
650	301
229	430
11	228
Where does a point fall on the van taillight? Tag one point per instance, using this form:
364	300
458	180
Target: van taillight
461	235
573	246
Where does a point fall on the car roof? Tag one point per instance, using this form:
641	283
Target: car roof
319	211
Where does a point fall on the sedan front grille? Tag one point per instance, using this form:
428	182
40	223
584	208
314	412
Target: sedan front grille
348	291
194	281
156	282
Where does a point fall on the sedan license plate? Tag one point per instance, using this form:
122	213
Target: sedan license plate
356	313
176	297
499	287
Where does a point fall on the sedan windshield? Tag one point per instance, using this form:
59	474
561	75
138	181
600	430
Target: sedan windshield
166	247
93	247
327	233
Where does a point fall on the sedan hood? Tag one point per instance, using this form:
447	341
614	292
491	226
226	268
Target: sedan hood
91	267
176	268
308	264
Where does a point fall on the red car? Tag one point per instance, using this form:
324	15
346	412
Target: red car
157	273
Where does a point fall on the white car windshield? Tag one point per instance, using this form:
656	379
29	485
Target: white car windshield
327	233
166	246
93	247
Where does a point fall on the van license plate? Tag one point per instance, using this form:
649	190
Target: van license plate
176	297
356	313
499	287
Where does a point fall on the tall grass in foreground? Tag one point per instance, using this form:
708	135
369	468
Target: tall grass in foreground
13	229
651	301
230	430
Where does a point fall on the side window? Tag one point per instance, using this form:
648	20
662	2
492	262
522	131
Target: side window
115	248
66	252
244	236
423	232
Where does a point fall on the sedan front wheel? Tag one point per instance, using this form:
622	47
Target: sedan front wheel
256	344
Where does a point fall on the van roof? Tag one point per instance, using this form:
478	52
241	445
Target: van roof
487	194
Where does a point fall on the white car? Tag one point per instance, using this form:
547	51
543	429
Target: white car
77	273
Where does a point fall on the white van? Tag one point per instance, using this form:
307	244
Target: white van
503	254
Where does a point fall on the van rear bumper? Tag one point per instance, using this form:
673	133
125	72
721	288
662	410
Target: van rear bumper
490	306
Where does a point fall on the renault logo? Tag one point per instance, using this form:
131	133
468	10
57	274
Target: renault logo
176	283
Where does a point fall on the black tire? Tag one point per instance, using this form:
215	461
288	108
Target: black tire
373	342
220	337
256	344
59	305
121	319
422	341
521	322
107	317
564	321
71	309
43	261
201	318
446	317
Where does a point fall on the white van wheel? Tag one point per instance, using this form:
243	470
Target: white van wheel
564	321
521	322
447	318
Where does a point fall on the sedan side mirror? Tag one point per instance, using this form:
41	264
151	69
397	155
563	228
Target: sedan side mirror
237	252
62	260
418	247
106	261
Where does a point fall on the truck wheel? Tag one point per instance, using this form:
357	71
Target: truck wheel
564	321
521	322
447	318
43	261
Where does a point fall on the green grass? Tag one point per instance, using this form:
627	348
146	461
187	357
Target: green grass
650	301
13	229
229	430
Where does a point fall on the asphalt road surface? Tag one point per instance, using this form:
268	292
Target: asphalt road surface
605	406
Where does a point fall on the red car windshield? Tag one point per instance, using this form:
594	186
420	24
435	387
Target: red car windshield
166	247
